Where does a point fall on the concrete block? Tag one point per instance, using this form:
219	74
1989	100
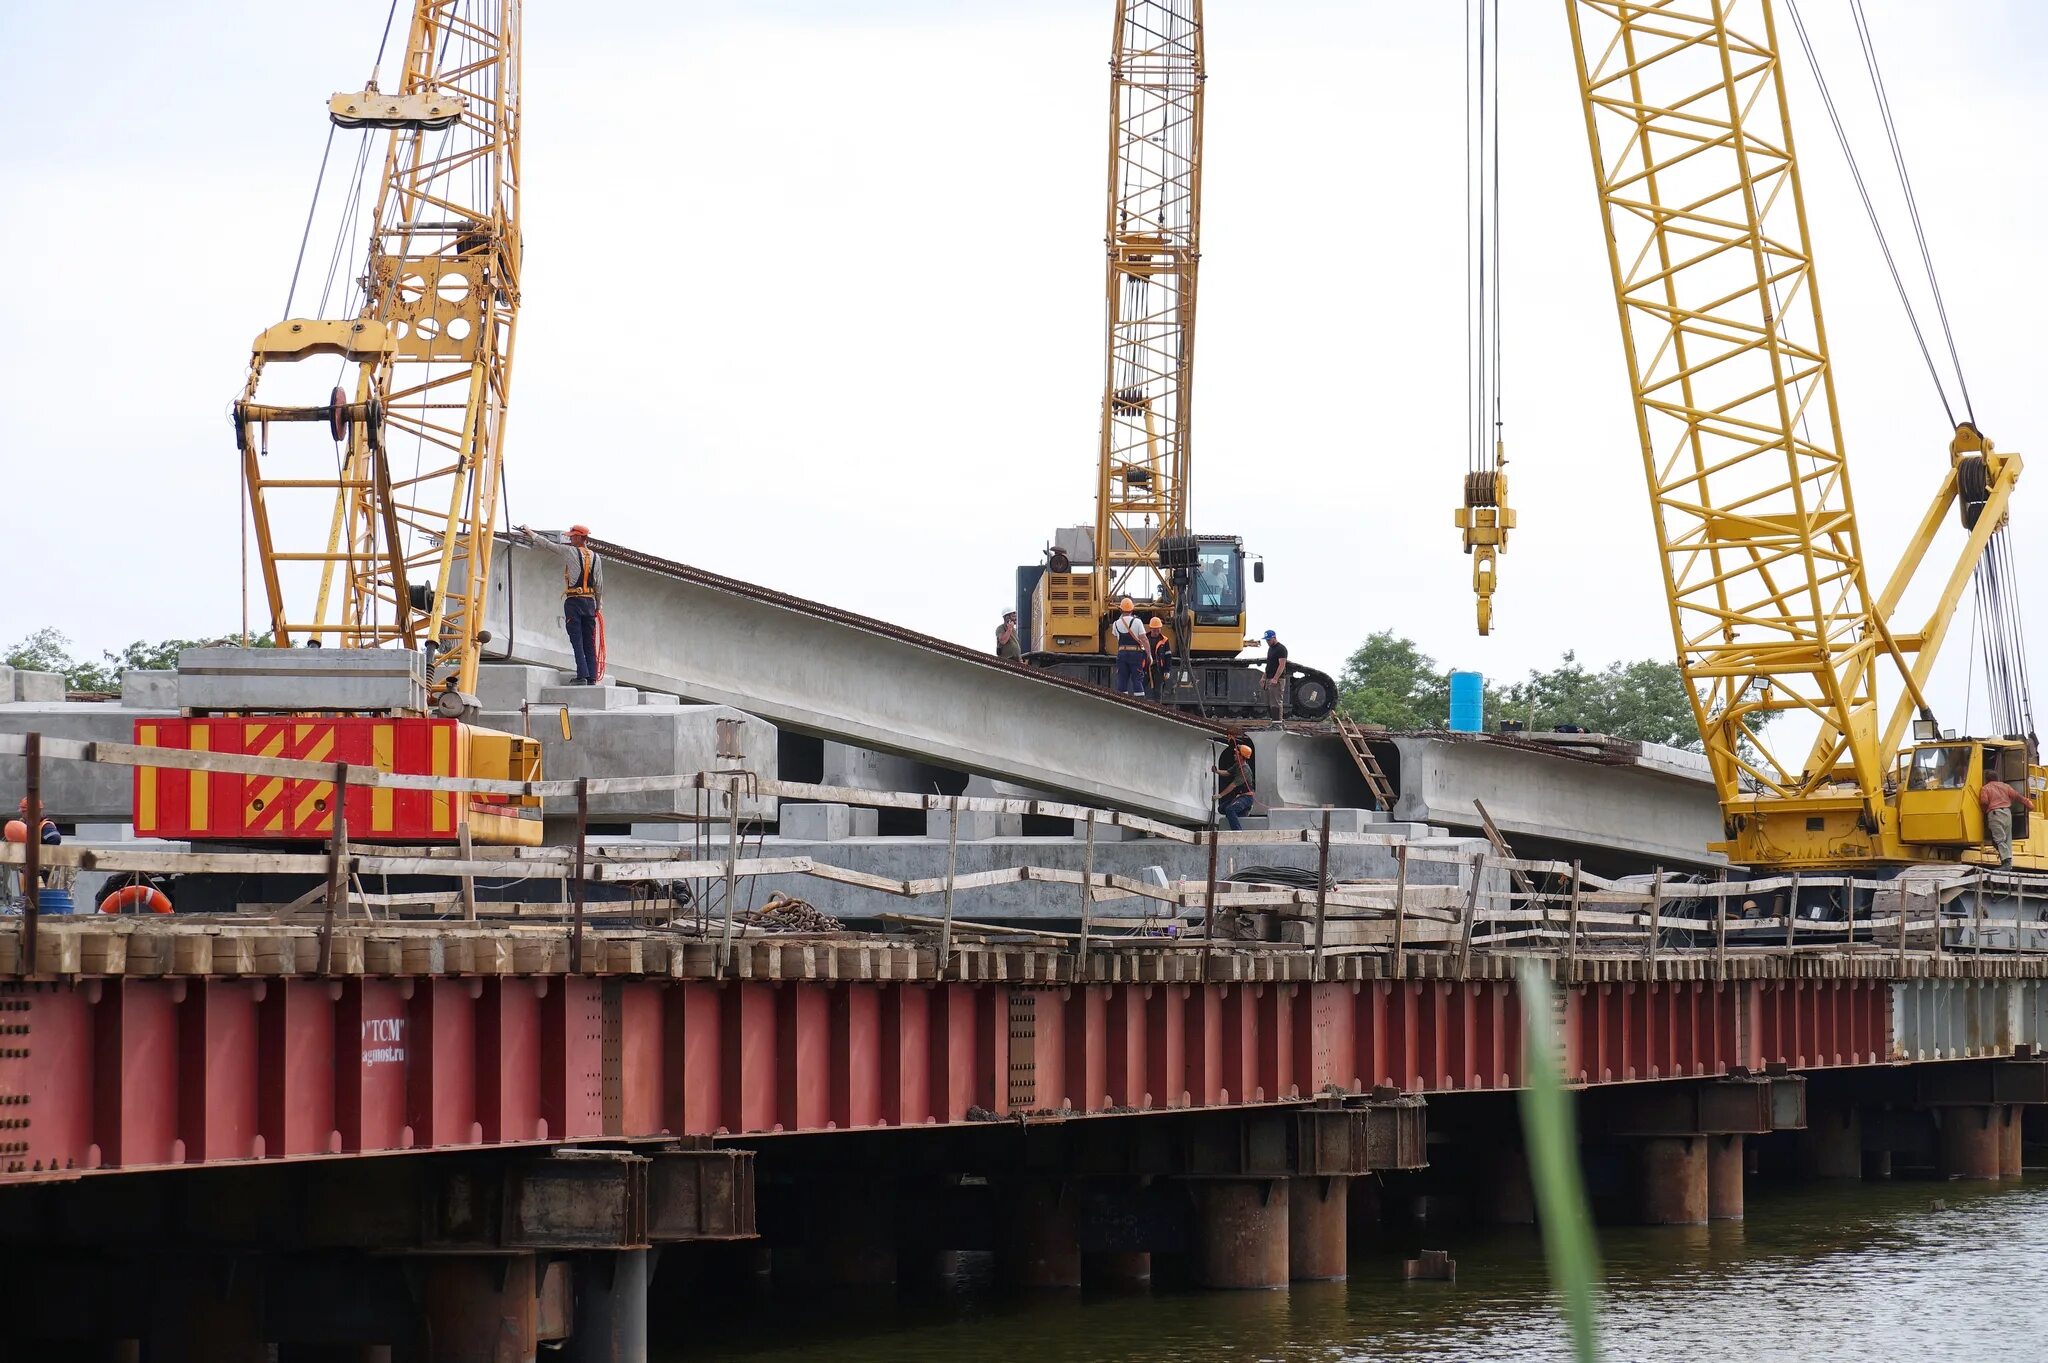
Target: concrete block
605	697
643	740
843	764
157	690
817	822
6	683
975	826
507	686
39	687
865	822
301	679
76	792
1341	820
659	698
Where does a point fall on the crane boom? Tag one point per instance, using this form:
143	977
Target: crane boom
1153	235
411	490
1741	443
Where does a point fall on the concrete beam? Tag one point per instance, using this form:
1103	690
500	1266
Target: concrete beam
850	680
1652	808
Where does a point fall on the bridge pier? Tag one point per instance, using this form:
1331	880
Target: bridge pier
1241	1237
1038	1244
1832	1144
609	1324
1513	1201
1671	1186
1972	1142
2011	1154
1317	1215
1725	1164
475	1309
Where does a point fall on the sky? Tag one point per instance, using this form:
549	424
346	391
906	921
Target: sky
813	298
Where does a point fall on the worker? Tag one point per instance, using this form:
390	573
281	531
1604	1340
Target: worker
1998	798
46	834
1161	650
1133	651
1235	796
1274	683
582	594
1007	645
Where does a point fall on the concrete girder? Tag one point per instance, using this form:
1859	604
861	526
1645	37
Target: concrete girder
829	676
1654	810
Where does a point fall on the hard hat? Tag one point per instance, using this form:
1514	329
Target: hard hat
579	530
1269	635
1009	615
1155	623
1126	605
1244	750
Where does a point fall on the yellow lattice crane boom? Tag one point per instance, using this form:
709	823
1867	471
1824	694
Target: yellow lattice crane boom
1772	611
396	546
1142	545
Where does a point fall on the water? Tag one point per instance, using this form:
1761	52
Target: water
1856	1273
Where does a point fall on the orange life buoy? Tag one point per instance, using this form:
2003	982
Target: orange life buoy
136	897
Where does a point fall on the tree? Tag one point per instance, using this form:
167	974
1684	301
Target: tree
1388	680
49	650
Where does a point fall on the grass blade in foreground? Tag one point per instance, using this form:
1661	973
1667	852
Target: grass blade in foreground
1551	1138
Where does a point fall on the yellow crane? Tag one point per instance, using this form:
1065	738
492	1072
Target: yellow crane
379	535
1141	545
1762	557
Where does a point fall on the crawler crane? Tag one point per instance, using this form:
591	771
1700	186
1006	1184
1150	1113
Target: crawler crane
1762	557
379	537
1141	545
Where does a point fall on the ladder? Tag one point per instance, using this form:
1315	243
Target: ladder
1368	765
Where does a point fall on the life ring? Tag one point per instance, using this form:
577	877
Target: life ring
136	897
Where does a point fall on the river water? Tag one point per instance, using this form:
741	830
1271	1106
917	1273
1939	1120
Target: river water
1851	1273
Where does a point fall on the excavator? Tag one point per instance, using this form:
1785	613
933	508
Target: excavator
373	529
1141	547
1773	612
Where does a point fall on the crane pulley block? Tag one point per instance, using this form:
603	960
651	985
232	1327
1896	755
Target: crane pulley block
425	110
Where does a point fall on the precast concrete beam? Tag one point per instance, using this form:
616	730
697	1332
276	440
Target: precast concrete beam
1653	809
644	740
855	681
92	792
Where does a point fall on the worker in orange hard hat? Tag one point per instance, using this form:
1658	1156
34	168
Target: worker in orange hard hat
1133	650
46	834
582	593
1160	647
1235	795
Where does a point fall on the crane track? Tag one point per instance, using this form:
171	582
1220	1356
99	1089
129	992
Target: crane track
684	572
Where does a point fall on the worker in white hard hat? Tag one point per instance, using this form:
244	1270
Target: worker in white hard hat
1133	650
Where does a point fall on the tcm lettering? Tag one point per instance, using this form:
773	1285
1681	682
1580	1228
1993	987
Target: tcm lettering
383	1041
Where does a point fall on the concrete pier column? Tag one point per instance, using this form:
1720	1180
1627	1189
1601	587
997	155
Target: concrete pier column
2011	1159
1241	1232
479	1309
1317	1249
1116	1271
1672	1180
1725	1163
1831	1146
1512	1200
1971	1142
609	1324
1877	1165
1363	1215
1038	1245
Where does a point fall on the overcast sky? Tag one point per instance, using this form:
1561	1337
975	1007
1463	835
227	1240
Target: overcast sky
813	298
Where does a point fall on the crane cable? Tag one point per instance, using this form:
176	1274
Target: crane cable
1483	352
1997	623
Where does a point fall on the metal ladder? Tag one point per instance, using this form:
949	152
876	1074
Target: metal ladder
1368	765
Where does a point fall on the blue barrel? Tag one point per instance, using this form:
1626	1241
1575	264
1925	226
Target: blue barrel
1468	703
50	900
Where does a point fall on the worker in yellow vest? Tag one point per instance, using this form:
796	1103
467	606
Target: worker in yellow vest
582	593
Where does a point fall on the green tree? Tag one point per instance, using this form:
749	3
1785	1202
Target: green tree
1388	680
49	650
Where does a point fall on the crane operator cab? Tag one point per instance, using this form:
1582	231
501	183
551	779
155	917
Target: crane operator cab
1207	577
1940	783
